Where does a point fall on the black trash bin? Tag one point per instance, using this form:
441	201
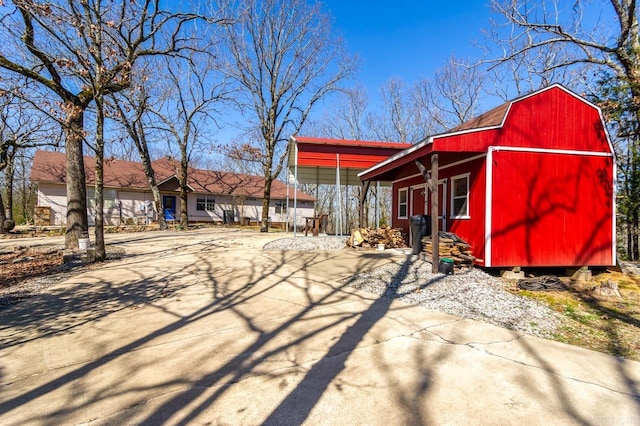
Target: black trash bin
420	227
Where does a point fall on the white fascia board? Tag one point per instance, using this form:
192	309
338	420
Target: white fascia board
551	151
446	166
397	156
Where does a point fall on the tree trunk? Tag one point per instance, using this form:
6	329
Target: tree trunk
184	164
264	227
77	221
9	173
151	180
3	217
99	225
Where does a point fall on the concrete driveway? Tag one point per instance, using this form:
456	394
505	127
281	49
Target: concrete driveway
203	327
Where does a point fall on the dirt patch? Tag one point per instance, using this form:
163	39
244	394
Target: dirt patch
28	271
18	264
606	324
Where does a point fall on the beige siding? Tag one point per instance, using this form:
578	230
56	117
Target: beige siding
54	196
137	205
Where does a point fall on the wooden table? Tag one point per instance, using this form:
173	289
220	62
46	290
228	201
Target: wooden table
312	224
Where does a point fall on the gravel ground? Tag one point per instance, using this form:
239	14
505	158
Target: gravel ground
469	293
631	268
308	244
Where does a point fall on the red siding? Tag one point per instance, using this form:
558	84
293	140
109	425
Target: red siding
472	229
551	210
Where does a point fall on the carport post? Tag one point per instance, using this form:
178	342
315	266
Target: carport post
295	192
338	198
377	206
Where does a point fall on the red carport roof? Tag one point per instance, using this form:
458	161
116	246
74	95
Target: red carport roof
318	159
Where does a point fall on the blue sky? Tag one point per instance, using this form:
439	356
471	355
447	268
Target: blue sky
408	39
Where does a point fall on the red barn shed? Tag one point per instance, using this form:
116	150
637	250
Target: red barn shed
529	183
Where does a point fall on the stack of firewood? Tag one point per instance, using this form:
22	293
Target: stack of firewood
451	246
371	237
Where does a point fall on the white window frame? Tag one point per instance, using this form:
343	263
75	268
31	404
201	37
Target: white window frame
453	213
405	204
206	201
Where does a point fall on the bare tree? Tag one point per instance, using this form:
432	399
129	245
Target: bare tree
347	117
609	42
285	58
21	128
396	122
54	44
188	112
132	111
451	98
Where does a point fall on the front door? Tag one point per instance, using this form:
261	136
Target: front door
417	200
417	204
169	207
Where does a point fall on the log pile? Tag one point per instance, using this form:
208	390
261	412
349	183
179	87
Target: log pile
371	237
451	246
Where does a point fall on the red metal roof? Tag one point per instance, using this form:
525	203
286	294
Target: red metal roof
350	142
50	167
343	153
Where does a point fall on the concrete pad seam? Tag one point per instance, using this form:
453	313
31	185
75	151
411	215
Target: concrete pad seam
634	396
479	347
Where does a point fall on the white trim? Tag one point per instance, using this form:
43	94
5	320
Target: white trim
453	178
614	228
408	190
400	154
446	166
488	208
551	151
443	182
412	188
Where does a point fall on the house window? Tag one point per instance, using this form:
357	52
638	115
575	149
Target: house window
460	196
108	197
281	207
205	203
403	197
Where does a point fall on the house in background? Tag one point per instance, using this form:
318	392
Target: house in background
213	196
530	183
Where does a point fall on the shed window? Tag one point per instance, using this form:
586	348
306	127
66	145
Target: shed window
281	207
403	197
205	203
460	196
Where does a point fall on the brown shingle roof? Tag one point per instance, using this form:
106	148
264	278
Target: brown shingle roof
490	118
50	167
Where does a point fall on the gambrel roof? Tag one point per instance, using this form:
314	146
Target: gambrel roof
510	124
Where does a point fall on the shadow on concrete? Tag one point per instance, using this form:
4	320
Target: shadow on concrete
232	288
